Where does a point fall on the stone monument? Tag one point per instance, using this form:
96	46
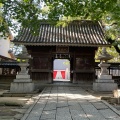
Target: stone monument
22	83
104	81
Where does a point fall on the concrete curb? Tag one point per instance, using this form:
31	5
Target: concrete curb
111	107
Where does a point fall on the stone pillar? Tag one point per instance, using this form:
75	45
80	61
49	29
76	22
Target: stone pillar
104	81
22	83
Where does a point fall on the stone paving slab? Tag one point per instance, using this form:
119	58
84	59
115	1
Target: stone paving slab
108	113
48	114
99	105
69	103
50	106
32	117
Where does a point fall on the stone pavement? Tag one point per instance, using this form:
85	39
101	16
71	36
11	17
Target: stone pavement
69	103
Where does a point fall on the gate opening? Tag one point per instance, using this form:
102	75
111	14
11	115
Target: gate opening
61	70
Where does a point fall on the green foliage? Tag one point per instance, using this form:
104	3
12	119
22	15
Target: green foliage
66	62
27	13
15	12
111	51
84	9
105	11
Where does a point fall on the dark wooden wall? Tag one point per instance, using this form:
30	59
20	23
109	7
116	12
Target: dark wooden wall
81	62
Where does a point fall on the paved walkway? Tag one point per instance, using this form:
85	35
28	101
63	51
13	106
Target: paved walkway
69	103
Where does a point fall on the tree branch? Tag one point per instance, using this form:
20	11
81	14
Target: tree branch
115	46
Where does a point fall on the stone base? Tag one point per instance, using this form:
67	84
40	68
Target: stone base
107	77
19	76
23	80
22	87
104	87
105	81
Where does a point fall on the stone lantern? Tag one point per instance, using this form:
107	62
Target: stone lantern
22	83
104	81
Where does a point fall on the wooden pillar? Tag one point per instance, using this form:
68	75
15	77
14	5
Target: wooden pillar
74	67
74	77
50	67
50	80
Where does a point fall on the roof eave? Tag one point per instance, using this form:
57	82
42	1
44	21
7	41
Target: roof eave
61	44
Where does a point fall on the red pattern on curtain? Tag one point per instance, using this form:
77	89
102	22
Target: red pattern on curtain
63	74
54	74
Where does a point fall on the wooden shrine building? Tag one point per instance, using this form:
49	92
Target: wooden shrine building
76	42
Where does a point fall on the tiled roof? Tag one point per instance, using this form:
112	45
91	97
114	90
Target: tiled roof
8	64
6	58
77	33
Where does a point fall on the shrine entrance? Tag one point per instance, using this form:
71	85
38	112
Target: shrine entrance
77	42
61	70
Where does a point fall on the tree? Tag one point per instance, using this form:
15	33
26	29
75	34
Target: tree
112	51
105	11
29	12
16	13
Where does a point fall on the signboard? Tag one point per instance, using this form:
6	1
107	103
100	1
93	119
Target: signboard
62	49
